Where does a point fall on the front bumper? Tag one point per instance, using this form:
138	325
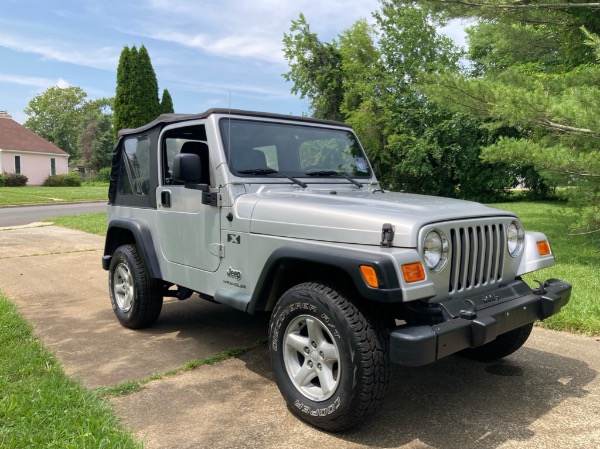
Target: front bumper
420	345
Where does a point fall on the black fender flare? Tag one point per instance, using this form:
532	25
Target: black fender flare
143	240
347	260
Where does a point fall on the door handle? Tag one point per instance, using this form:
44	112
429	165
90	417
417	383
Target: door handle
165	198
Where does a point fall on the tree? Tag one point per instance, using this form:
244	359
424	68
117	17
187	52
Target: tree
166	104
315	70
56	115
371	80
136	100
96	138
546	85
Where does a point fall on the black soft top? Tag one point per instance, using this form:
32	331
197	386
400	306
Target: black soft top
165	119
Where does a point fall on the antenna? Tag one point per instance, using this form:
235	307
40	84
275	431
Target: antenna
229	130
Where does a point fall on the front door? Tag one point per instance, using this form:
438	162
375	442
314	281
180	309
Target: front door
189	231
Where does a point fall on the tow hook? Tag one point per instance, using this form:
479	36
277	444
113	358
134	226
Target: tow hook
540	290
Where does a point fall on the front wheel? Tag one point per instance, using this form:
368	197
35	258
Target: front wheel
135	296
501	347
330	361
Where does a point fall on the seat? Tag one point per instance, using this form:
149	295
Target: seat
201	150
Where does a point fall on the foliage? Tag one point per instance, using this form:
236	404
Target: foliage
2	180
69	180
79	126
315	70
14	180
96	139
56	115
536	70
166	104
103	175
370	77
136	101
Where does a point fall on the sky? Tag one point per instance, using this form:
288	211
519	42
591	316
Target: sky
209	53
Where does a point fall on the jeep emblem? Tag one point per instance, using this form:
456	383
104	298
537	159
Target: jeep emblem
235	274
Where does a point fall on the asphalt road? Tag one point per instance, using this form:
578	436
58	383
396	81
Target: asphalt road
18	216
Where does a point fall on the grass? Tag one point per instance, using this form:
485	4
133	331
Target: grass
14	196
39	405
577	262
94	223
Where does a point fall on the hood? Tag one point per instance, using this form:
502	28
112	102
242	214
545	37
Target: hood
351	216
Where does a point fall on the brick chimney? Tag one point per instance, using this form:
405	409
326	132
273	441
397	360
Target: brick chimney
4	114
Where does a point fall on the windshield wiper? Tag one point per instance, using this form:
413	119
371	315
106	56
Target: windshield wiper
270	171
317	172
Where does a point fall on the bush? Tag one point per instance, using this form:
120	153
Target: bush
1	180
14	180
103	175
71	180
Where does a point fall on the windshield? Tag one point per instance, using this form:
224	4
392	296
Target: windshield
291	149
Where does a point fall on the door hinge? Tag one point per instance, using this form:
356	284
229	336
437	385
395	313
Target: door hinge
217	249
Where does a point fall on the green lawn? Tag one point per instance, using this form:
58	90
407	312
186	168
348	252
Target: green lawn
94	223
12	196
577	262
39	405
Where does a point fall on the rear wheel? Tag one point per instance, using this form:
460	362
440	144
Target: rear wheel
501	347
135	296
330	361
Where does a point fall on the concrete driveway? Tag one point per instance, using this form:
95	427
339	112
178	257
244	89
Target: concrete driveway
547	395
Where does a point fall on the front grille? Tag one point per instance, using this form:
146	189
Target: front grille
477	256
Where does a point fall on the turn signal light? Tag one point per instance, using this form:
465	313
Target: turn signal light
369	275
543	248
413	272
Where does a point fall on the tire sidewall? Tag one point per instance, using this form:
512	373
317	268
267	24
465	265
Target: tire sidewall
315	304
123	256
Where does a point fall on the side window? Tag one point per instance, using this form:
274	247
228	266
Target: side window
188	139
52	166
17	165
134	175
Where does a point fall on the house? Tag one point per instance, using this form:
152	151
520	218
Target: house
24	152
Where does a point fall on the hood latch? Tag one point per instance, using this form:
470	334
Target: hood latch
387	235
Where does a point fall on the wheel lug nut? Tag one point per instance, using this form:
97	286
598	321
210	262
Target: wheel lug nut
321	354
314	345
306	350
310	364
319	366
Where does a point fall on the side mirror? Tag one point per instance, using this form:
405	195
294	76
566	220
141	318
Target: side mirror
187	168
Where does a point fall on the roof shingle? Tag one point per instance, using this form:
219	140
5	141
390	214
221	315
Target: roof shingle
14	136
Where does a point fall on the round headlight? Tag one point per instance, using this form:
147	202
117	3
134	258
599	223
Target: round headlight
515	238
435	250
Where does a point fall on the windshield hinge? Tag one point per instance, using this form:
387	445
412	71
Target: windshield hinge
217	249
387	235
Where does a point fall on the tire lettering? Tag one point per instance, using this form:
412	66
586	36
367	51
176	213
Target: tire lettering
318	411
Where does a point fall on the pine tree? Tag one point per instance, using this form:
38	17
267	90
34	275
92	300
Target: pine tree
136	101
166	104
148	84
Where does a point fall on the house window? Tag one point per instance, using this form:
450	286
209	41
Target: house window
52	166
18	165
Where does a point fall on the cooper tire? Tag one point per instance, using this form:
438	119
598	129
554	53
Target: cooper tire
134	296
501	347
330	361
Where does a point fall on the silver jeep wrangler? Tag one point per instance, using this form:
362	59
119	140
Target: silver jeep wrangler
276	214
